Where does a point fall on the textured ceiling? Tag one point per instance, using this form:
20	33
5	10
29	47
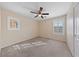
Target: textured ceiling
53	8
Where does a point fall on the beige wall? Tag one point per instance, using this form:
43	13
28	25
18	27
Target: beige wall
70	40
46	29
0	20
28	29
0	30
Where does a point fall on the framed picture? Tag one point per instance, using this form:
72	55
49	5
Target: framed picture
13	23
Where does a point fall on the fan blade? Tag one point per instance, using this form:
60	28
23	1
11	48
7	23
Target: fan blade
41	8
33	12
45	13
36	16
42	17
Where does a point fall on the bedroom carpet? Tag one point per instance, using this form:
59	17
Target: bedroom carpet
38	47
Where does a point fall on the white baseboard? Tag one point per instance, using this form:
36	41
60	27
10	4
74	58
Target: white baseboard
53	39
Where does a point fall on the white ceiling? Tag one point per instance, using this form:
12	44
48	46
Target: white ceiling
53	8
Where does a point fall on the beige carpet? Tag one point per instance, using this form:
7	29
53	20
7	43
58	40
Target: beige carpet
38	47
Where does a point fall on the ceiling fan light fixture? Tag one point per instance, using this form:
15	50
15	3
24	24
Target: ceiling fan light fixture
39	13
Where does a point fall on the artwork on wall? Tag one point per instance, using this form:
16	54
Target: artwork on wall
58	27
13	23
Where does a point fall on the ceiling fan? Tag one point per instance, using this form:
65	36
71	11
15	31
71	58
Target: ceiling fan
39	13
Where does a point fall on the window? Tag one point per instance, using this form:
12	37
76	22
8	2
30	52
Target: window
58	26
13	23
